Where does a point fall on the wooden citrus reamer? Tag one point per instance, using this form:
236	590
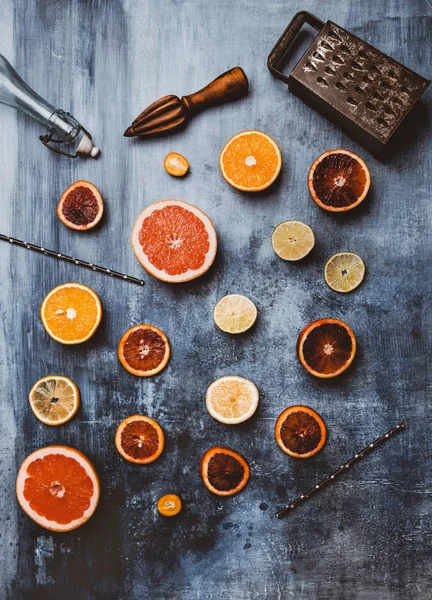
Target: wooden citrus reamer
170	112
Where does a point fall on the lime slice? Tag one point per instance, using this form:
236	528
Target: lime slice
235	313
344	272
293	240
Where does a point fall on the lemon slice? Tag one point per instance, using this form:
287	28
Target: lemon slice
54	399
344	272
235	313
232	399
293	240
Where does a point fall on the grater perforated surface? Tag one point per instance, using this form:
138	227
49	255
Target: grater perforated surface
360	82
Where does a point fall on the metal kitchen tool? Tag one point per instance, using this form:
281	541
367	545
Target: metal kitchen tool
360	89
63	128
170	112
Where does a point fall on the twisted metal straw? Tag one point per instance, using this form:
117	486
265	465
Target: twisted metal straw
71	259
369	448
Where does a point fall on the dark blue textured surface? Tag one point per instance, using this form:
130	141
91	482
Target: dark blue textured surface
368	537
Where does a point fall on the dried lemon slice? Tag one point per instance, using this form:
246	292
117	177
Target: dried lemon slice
54	399
235	313
344	272
293	240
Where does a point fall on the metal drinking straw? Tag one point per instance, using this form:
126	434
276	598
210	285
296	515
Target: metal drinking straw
369	448
71	259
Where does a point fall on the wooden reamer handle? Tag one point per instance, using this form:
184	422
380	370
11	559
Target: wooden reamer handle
229	86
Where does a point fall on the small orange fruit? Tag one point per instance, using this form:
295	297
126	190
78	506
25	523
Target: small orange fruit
300	431
144	350
338	180
174	241
169	505
224	471
71	313
139	439
250	161
326	347
81	206
175	164
58	488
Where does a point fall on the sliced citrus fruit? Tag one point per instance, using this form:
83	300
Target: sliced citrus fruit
292	240
344	272
169	505
338	180
250	161
224	471
300	431
58	488
54	399
235	313
71	313
81	206
144	350
174	241
232	399
175	164
326	347
139	439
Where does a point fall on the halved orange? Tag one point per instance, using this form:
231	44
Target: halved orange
300	431
224	471
326	347
144	350
176	164
139	439
250	161
58	488
71	313
174	241
338	180
81	206
169	505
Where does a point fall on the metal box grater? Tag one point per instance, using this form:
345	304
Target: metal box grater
360	89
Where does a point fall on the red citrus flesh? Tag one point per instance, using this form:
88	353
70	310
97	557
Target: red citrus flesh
139	439
174	241
224	471
326	347
81	206
338	180
300	431
144	350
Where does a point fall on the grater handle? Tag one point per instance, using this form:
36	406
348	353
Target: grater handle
280	49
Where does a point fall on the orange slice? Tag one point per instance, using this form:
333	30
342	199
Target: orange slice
232	399
250	161
81	206
326	347
54	399
300	431
175	164
139	439
338	180
58	488
174	241
71	313
144	350
224	471
169	505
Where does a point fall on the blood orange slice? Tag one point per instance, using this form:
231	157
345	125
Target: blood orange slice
81	206
338	180
326	347
144	350
224	471
174	241
58	488
139	439
300	431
